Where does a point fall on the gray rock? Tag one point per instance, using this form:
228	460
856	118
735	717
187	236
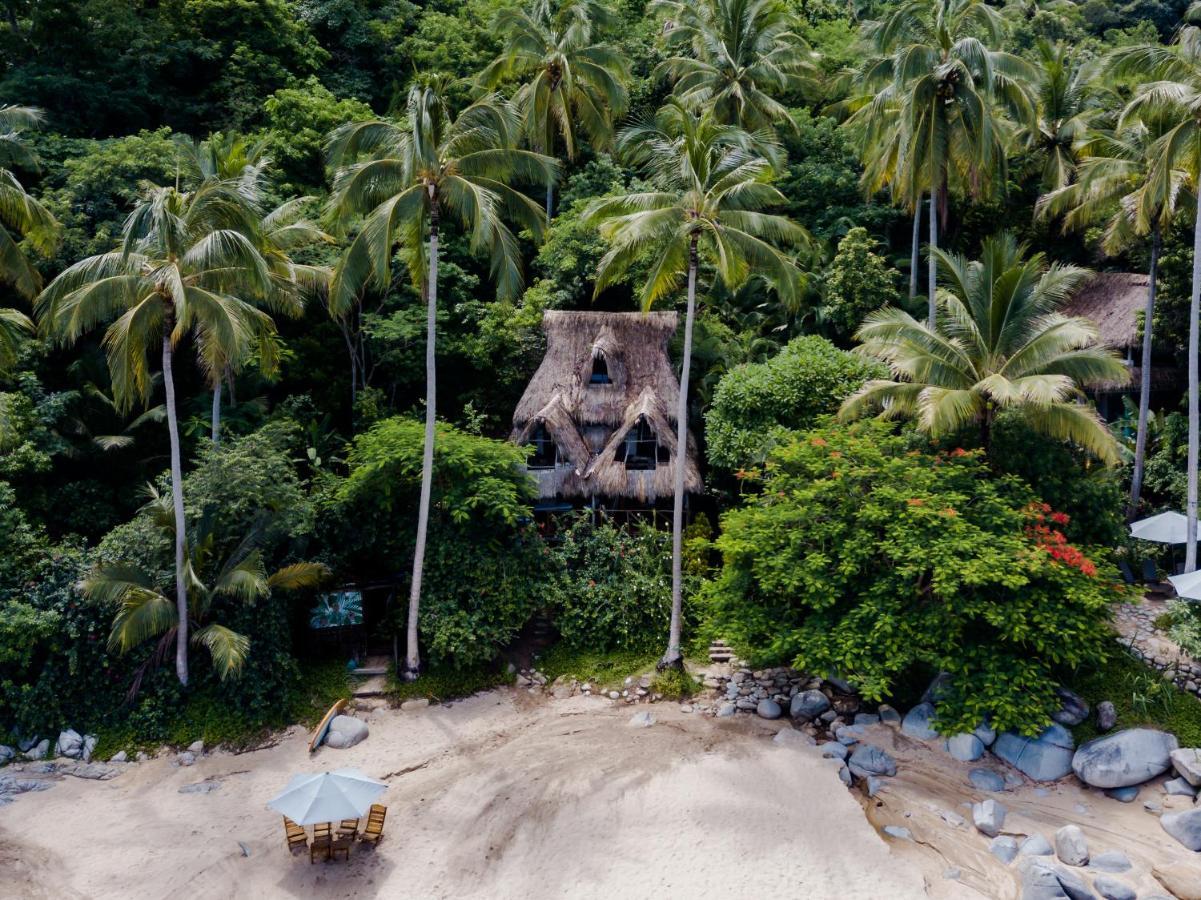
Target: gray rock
1153	806
1112	889
201	787
1184	826
937	689
869	759
726	710
1070	846
898	832
985	733
844	775
27	744
1123	794
835	750
1047	757
988	817
865	719
70	744
1042	880
917	722
769	709
986	780
89	747
246	850
840	684
1112	861
1036	845
1124	758
38	750
847	735
808	705
1107	716
828	716
1179	787
951	818
1004	848
888	715
965	747
119	757
142	756
197	747
873	785
1073	708
642	719
187	758
10	785
792	737
91	771
1187	762
344	732
6	754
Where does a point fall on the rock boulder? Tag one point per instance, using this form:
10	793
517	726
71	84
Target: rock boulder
1184	826
1124	758
918	722
808	705
1187	762
345	731
871	760
1047	757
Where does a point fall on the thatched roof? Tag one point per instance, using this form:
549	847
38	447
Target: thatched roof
588	422
1112	301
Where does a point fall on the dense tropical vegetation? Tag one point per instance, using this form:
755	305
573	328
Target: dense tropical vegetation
314	239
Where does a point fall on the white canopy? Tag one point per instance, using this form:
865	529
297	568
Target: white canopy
1165	528
327	796
1188	585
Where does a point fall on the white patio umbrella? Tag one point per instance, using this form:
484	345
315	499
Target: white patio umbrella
327	796
1188	586
1165	528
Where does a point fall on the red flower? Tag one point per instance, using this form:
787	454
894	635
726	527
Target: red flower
915	501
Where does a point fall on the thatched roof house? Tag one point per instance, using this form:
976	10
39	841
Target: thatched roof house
600	412
1114	302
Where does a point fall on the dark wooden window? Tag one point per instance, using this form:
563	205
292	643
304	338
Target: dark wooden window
640	449
543	453
600	371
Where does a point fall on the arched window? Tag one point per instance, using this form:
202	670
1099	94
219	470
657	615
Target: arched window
600	371
640	449
543	452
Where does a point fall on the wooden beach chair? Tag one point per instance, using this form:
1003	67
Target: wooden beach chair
348	827
295	836
320	847
375	824
341	844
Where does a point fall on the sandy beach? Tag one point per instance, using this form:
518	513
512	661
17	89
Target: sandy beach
502	795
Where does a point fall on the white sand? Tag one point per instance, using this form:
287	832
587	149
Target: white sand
500	796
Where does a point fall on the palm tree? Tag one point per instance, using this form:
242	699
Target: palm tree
20	214
708	185
1065	112
414	173
145	612
573	79
231	158
185	260
1173	94
1112	187
742	54
933	64
1000	344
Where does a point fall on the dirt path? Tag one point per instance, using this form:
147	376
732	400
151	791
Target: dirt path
499	796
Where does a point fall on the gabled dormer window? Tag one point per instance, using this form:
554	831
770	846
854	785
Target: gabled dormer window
640	449
600	371
543	452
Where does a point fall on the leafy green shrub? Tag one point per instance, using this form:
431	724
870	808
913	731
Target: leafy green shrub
613	590
865	557
859	281
675	684
484	564
1184	626
757	406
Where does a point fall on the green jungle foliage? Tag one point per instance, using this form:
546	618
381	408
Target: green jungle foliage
866	557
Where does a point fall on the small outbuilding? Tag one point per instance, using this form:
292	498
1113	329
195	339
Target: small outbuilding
1114	302
599	415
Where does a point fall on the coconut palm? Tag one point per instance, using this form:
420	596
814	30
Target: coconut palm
573	80
933	64
21	216
741	54
1000	344
1172	94
232	158
707	186
1066	109
186	261
1112	188
432	165
145	612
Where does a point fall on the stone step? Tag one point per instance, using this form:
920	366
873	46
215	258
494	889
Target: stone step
369	671
372	687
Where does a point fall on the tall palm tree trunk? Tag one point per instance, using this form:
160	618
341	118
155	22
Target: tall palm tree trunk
673	657
216	427
913	253
1190	558
550	199
412	654
181	591
1144	395
932	263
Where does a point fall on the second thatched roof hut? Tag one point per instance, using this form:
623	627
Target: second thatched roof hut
600	412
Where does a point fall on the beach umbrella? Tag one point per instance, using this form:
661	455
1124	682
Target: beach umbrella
1165	528
1188	586
327	796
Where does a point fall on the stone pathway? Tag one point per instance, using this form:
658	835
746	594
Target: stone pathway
1136	625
